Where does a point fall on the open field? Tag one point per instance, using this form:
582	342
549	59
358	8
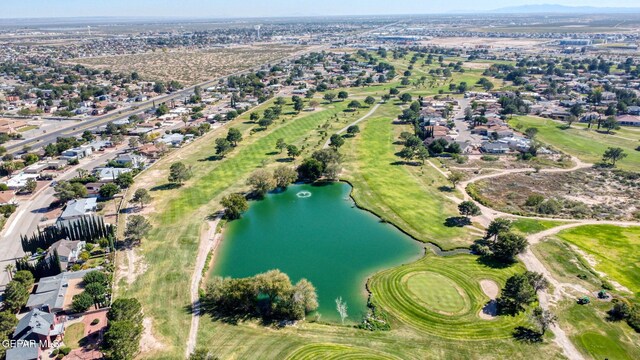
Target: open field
458	277
190	66
532	226
587	145
475	41
612	251
586	193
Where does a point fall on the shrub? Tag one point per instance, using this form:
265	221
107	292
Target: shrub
534	200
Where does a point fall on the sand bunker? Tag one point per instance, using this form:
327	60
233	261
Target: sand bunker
491	289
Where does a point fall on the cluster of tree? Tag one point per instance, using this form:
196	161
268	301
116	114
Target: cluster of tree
95	285
17	291
513	105
45	265
65	191
62	144
292	150
413	148
234	206
485	83
122	338
224	145
89	229
623	310
500	242
264	181
520	291
269	296
442	146
325	162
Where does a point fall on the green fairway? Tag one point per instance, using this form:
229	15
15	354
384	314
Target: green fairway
587	145
392	292
405	195
437	292
532	226
616	251
333	351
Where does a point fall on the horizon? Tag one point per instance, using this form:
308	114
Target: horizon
204	10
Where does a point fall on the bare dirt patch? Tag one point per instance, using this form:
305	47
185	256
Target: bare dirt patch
148	342
190	66
582	194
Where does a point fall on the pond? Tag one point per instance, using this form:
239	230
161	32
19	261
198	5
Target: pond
317	233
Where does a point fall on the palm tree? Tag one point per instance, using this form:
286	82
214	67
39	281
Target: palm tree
9	269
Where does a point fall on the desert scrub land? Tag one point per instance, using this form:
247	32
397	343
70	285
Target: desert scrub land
483	162
587	193
190	66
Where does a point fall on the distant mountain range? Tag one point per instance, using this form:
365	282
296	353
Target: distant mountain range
562	9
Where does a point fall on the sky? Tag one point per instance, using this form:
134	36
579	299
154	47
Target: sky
265	8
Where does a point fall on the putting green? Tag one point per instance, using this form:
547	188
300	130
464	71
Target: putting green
335	351
438	292
418	294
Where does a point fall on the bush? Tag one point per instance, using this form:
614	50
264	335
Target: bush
65	350
489	158
95	322
534	200
549	207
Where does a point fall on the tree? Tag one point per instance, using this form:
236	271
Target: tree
122	340
125	180
223	146
353	130
281	145
235	205
202	354
234	136
336	141
310	169
65	191
265	122
405	98
254	116
455	177
108	191
543	318
30	186
179	173
305	293
142	197
610	123
537	280
284	175
343	95
329	97
15	296
354	104
370	100
531	132
125	309
613	154
293	151
9	269
81	302
516	294
262	182
96	291
422	153
95	277
137	228
508	245
468	208
497	227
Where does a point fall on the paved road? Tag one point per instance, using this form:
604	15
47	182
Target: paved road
27	217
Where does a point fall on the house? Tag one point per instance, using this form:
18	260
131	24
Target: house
55	293
633	110
495	148
79	208
130	160
172	139
35	332
109	174
628	120
77	153
7	197
57	164
150	151
20	180
67	250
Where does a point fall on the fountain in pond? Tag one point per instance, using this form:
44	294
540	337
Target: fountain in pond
304	194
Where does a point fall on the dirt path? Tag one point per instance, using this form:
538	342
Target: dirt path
373	110
208	242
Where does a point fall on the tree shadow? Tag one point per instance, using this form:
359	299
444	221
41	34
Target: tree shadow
271	153
457	221
285	160
212	158
163	187
493	262
445	188
527	335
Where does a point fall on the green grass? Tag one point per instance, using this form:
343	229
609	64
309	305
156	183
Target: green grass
597	337
405	195
333	351
566	265
616	251
73	334
532	226
587	145
448	299
389	289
